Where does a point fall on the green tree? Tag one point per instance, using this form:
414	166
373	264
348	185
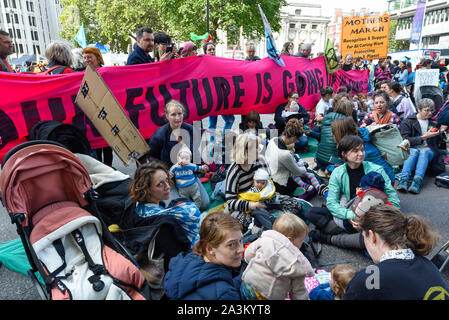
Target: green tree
112	22
231	16
393	44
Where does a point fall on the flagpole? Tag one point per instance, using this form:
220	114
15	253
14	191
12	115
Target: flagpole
207	15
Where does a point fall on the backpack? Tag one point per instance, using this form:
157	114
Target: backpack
67	134
442	180
388	140
366	199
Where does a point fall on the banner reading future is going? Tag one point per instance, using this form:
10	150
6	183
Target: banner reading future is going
206	85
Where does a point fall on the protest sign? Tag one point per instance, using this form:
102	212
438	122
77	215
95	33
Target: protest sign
365	37
108	117
426	77
205	85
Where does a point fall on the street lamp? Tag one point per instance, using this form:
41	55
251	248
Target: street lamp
207	15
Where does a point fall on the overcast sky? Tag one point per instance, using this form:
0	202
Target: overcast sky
347	5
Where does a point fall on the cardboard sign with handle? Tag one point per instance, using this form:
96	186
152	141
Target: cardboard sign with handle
102	108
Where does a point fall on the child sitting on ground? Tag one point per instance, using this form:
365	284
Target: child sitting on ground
341	274
314	182
185	179
276	267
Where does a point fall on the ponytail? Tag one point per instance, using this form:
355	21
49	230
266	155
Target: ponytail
398	231
420	235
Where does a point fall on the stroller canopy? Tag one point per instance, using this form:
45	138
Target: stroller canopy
39	173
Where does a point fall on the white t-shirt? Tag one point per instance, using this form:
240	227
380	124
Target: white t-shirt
424	127
323	106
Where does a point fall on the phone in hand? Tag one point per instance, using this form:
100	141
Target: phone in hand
169	48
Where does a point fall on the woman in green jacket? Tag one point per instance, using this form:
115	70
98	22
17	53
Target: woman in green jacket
336	224
327	148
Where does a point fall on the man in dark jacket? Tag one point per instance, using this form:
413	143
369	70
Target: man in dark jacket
143	47
6	49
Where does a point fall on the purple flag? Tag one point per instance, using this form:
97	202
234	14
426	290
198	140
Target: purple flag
415	35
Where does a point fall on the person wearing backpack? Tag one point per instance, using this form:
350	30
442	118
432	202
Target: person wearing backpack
59	59
425	137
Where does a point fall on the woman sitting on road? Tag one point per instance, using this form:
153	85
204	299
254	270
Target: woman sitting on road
345	127
327	148
168	140
210	271
398	246
424	137
336	224
381	114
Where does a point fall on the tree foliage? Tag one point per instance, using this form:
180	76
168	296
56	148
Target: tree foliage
231	16
393	44
113	22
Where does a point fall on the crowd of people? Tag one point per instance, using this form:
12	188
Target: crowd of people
254	249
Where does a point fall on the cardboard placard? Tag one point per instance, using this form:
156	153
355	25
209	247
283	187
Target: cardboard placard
365	37
102	108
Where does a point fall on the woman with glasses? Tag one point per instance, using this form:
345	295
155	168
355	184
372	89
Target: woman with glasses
424	137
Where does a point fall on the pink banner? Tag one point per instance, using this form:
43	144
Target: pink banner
206	85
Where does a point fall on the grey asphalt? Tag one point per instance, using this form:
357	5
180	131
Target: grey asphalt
431	203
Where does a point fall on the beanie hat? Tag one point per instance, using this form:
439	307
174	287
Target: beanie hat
96	52
186	47
261	174
372	180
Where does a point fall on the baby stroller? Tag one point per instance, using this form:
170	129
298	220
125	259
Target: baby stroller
46	191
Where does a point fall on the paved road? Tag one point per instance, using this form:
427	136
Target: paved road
431	203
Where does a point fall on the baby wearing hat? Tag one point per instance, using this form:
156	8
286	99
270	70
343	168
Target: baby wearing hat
263	190
185	179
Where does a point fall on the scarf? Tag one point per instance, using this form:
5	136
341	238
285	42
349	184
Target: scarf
385	119
5	66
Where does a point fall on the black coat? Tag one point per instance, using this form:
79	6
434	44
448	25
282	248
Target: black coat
138	56
411	130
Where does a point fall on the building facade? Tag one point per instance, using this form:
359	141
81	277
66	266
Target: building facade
301	23
334	28
435	29
32	24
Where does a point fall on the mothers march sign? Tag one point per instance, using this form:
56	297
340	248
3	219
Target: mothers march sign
206	86
365	37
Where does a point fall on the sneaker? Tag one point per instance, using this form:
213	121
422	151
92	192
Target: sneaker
322	190
308	187
415	187
402	185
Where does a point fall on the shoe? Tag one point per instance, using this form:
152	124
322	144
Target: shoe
415	187
323	190
317	235
308	187
402	185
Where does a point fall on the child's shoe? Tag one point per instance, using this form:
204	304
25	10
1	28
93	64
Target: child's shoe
308	187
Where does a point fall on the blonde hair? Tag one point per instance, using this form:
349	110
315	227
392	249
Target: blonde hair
290	226
243	146
341	275
174	103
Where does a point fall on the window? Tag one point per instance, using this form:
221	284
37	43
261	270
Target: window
298	12
16	18
292	26
35	36
5	2
303	26
8	19
314	26
18	33
20	48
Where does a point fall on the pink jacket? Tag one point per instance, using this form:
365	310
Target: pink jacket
276	267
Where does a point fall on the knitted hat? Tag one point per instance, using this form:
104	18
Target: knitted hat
372	180
186	47
96	52
261	174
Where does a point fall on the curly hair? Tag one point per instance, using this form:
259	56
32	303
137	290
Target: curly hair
293	128
143	177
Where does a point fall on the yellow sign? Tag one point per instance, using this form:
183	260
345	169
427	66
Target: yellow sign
365	37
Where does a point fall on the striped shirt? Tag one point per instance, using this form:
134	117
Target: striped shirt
238	181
